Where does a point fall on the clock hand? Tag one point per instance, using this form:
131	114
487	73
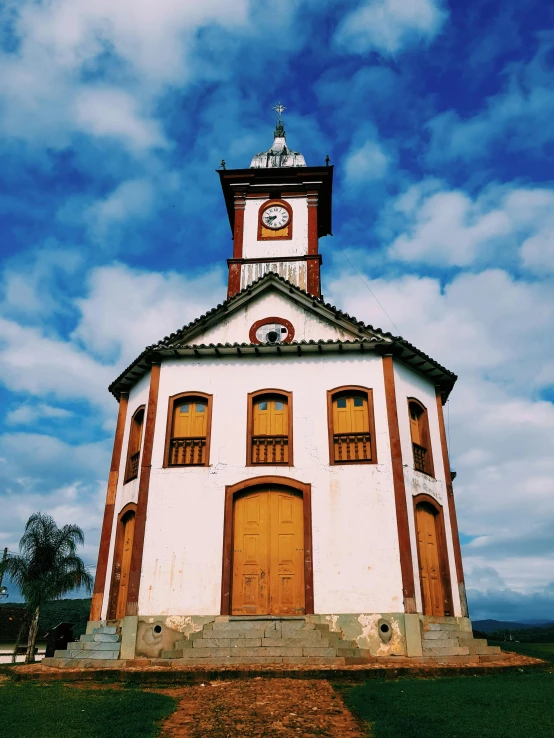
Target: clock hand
271	218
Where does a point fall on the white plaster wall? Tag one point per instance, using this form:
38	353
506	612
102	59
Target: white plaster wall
356	558
272	303
125	493
296	246
410	384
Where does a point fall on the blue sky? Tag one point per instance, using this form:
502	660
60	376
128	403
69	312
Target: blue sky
439	118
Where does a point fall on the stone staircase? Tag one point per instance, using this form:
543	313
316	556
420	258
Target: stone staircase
103	644
265	640
449	636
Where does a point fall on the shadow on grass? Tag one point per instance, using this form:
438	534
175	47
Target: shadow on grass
489	706
50	710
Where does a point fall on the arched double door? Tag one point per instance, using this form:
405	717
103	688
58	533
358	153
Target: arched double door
268	556
434	573
123	552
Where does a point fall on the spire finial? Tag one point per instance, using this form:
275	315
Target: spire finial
279	128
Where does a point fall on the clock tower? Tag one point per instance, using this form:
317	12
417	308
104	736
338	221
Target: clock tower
278	209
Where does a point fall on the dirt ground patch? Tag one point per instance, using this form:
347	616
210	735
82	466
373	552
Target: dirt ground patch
260	708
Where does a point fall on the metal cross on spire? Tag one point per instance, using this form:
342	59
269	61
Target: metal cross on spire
279	108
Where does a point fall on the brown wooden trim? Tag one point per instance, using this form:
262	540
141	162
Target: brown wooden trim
264	321
238	231
104	550
330	425
263	208
430	470
312	222
278	259
450	492
443	553
170	407
405	547
117	554
144	486
233	285
227	566
129	476
250	424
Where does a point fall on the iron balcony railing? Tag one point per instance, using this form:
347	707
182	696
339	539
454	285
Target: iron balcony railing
187	451
352	447
270	449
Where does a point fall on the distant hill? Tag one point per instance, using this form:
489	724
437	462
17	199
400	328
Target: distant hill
488	626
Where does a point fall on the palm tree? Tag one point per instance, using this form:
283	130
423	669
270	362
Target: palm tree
46	568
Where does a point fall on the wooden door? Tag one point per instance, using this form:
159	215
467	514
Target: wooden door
429	560
128	523
268	554
270	442
190	420
350	415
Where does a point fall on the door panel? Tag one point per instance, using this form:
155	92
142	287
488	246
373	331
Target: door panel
429	561
128	523
268	554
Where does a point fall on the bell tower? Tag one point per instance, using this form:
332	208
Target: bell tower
278	209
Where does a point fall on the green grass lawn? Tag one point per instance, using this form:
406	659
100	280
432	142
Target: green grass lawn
537	650
30	710
517	705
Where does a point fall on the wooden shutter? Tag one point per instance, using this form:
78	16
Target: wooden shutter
351	428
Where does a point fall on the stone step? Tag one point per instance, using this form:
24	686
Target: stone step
105	638
442	619
437	635
85	655
477	649
447	651
441	626
88	646
105	629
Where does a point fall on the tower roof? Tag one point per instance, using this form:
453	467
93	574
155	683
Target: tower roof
279	155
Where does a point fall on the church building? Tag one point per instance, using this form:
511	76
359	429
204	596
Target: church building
280	488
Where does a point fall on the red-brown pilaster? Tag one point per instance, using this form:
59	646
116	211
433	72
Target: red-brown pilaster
313	278
406	560
103	553
451	507
144	486
238	233
312	222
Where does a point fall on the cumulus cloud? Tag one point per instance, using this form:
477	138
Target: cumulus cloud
131	199
31	413
449	228
490	328
389	26
62	48
366	163
128	309
518	118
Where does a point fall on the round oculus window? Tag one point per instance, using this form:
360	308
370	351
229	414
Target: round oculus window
272	331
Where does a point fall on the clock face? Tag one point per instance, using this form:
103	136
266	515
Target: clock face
275	216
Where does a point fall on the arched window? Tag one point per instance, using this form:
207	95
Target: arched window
421	439
188	433
269	428
133	449
351	426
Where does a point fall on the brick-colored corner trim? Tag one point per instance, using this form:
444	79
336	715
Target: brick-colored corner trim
107	523
451	505
144	486
406	560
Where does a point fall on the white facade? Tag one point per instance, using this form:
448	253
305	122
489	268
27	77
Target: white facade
265	249
355	540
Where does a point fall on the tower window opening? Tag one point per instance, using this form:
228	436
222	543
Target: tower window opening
133	449
421	441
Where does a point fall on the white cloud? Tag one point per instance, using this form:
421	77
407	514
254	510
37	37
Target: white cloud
448	228
388	26
142	45
131	199
31	413
128	309
519	118
492	330
113	113
366	163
